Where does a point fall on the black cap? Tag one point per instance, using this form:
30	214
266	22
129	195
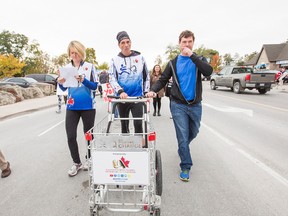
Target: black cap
122	35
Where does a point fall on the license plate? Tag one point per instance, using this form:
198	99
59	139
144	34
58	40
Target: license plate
262	84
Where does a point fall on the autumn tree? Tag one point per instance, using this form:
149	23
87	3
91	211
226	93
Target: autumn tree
207	53
10	66
215	62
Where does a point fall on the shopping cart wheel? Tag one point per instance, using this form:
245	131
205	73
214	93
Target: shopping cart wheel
158	173
156	212
94	212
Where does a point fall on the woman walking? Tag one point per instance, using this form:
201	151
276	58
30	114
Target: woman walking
155	75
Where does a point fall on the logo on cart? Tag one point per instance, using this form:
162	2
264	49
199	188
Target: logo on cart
121	163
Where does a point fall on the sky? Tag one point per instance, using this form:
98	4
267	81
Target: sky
227	26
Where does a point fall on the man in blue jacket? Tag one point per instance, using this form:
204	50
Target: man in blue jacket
185	96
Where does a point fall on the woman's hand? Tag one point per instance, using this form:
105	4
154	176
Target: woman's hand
61	80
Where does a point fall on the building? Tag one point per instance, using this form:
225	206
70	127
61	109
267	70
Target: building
271	56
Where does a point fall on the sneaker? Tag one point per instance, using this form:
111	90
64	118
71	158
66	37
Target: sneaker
5	173
74	169
184	175
86	165
58	111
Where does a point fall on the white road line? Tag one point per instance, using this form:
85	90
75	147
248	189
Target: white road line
230	109
255	103
263	166
227	141
44	132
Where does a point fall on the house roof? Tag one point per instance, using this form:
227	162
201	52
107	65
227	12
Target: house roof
273	51
283	54
253	60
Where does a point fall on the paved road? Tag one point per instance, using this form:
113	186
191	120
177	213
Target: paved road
240	160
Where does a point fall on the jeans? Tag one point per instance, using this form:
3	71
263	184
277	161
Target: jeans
186	118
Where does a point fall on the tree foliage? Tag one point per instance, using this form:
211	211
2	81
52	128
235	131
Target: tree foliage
10	66
207	53
172	51
12	43
227	58
103	66
91	56
61	60
215	62
36	60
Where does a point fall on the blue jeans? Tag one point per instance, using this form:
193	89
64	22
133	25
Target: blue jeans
186	120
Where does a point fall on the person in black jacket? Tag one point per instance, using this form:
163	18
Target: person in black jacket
185	96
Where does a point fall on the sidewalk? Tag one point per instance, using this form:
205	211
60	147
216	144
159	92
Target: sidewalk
28	105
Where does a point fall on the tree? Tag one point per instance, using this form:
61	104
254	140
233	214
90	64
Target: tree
91	56
36	60
215	62
207	53
227	59
158	60
172	51
61	60
103	66
10	66
12	43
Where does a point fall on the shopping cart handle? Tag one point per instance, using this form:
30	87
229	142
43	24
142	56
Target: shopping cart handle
129	97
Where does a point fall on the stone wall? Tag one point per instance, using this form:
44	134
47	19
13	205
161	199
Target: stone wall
10	94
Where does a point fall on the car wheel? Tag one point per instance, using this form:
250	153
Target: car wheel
237	88
213	85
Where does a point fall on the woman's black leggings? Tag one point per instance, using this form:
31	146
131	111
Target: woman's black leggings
156	101
71	124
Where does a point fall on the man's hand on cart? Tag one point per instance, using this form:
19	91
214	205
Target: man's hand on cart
123	95
150	94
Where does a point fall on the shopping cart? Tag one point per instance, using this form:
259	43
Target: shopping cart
125	169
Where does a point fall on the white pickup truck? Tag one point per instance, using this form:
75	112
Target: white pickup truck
238	78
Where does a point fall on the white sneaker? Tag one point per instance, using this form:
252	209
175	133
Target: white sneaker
74	169
86	165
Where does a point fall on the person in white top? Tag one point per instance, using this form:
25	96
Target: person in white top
60	93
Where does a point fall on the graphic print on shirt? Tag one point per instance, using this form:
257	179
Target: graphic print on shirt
124	69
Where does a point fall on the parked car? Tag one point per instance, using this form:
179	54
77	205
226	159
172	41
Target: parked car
24	82
44	78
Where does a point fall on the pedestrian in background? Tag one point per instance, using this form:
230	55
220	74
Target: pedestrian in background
103	79
185	96
60	94
155	75
129	77
4	166
80	102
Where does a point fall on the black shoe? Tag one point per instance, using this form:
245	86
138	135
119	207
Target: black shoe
154	114
159	114
5	173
